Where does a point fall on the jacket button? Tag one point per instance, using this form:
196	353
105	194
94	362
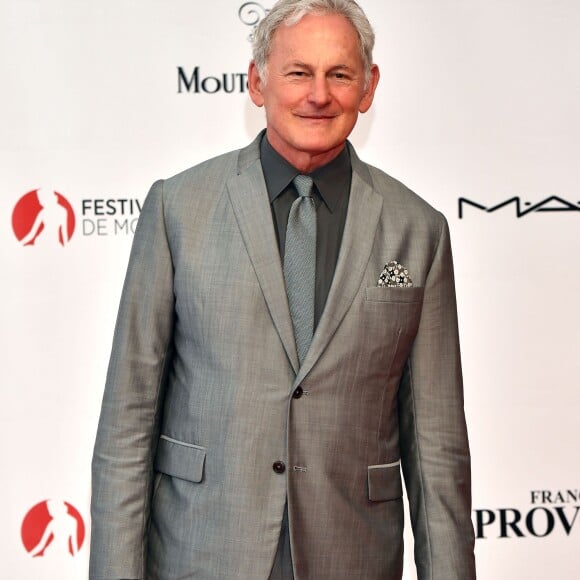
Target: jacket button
279	467
298	392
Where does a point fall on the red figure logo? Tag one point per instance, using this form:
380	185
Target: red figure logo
43	216
53	528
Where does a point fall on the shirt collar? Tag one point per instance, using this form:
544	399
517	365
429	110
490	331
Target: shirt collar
332	180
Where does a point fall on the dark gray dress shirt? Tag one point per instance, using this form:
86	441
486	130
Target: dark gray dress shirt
331	195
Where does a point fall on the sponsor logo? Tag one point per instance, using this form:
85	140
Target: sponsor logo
250	14
53	528
519	207
43	216
195	81
549	512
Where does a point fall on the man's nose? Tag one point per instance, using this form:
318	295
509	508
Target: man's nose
319	91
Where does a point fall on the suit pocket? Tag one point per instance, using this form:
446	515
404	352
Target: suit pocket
180	459
396	294
385	482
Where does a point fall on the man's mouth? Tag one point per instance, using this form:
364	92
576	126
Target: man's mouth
317	117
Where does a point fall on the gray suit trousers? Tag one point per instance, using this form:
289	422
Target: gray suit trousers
282	568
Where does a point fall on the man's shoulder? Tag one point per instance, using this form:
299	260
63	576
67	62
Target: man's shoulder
209	174
395	191
399	198
210	177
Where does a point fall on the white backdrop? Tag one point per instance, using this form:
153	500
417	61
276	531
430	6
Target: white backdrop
479	100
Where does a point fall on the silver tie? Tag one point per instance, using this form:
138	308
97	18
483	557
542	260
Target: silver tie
300	264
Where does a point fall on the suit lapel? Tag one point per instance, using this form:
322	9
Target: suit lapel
364	210
249	198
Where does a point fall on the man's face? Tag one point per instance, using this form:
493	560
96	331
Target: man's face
315	89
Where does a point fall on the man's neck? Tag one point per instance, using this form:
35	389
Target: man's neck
306	162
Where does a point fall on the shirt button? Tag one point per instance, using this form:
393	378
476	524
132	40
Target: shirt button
298	392
279	467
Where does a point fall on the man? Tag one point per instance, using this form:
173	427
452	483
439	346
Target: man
287	338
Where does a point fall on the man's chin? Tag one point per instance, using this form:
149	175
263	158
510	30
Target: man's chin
316	149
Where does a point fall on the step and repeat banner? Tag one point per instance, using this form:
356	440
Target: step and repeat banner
478	111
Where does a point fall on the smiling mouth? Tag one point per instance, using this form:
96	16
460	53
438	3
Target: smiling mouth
317	117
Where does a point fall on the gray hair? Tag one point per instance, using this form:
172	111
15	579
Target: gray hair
290	12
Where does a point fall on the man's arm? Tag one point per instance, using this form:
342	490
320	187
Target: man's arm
129	422
433	436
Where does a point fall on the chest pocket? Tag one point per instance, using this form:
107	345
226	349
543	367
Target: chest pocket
394	295
396	308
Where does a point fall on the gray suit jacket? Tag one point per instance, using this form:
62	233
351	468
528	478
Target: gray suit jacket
198	404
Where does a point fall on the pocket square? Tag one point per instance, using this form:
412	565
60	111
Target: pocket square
395	275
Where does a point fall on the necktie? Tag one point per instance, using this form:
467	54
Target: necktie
300	264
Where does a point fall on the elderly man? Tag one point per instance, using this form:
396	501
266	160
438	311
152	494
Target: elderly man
286	344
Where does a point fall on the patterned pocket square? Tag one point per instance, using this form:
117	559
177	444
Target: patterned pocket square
395	275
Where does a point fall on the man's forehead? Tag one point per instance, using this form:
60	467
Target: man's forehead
297	41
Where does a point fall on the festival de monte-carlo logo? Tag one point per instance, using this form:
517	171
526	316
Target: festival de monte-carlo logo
52	528
196	81
45	217
549	512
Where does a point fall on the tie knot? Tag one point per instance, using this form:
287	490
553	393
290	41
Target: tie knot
303	185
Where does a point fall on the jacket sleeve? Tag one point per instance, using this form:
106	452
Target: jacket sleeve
433	436
129	421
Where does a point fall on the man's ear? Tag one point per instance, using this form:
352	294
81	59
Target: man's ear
255	85
369	93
